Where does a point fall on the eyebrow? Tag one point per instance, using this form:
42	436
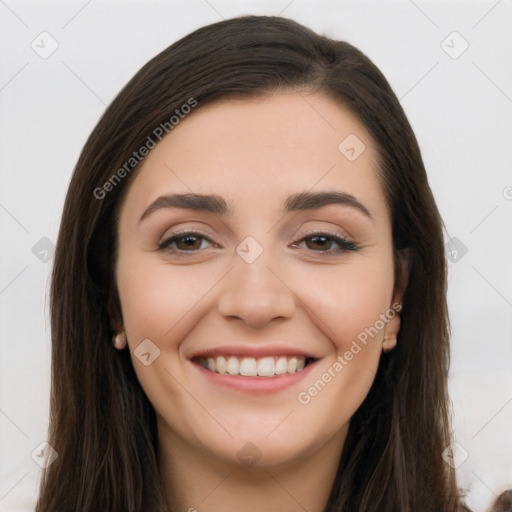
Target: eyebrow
214	203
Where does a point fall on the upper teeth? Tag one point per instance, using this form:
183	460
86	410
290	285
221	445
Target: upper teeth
251	367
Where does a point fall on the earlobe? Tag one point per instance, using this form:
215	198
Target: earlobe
119	341
388	344
392	328
116	318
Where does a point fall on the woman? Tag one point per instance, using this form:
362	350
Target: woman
211	349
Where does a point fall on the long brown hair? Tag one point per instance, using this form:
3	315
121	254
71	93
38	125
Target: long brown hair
102	425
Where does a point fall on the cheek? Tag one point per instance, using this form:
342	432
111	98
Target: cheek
348	300
343	299
347	306
156	298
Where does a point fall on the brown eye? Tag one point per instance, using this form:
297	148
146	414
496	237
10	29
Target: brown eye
184	242
319	242
326	243
188	243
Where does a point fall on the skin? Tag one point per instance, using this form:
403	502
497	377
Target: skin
255	153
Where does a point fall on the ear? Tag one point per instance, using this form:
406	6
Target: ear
402	269
114	309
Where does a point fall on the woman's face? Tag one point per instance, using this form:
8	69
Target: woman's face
227	292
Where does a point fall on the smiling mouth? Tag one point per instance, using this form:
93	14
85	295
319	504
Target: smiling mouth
269	366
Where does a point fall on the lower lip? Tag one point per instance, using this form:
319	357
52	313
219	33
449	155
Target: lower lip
255	385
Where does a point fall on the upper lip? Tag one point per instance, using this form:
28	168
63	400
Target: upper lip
258	351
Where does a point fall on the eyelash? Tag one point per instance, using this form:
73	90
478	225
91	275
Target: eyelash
346	245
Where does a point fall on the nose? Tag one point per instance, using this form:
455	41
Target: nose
256	292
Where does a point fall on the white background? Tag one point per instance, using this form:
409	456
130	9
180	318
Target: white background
460	109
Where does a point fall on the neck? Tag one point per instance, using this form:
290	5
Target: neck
197	481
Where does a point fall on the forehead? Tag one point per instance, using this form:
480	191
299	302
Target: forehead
257	148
